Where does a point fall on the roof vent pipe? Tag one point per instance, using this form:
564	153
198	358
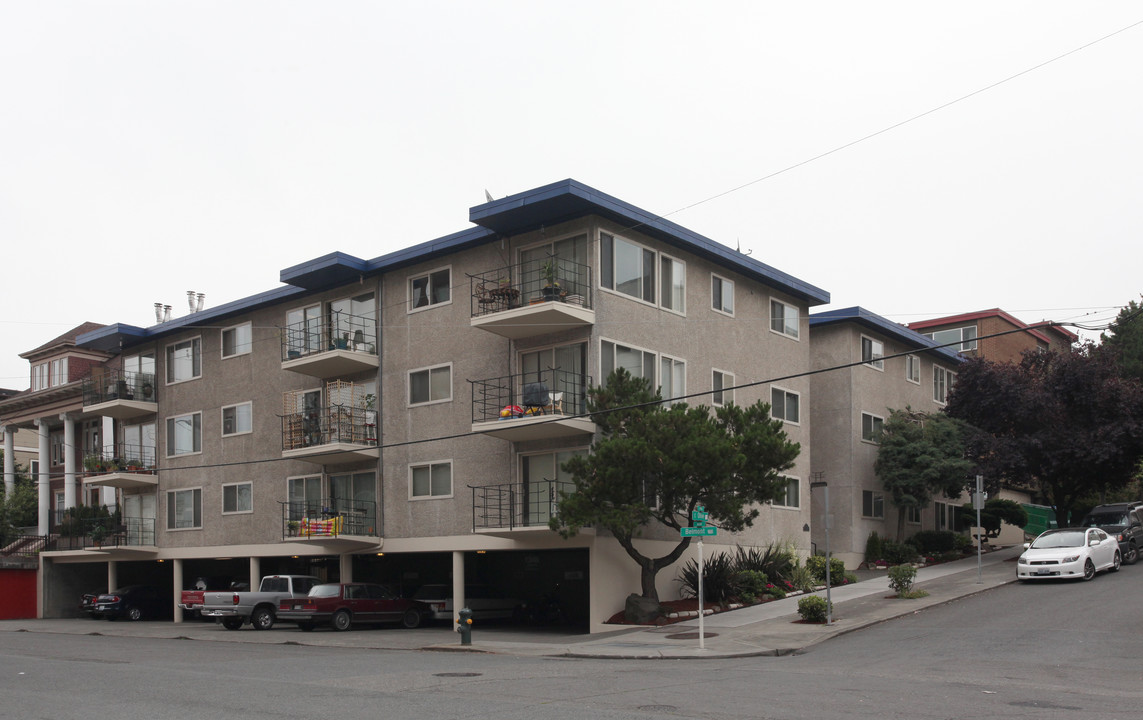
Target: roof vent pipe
201	300
166	313
158	312
190	300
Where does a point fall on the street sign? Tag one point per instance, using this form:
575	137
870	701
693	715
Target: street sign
698	531
699	515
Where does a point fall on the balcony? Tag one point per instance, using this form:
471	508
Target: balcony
331	435
516	506
533	298
124	536
532	406
345	345
125	466
339	522
122	395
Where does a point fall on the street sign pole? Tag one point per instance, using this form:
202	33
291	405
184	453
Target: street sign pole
978	502
702	634
699	530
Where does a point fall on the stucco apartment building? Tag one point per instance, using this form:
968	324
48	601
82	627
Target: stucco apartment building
403	419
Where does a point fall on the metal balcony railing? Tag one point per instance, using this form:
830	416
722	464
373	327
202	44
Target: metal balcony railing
537	281
548	392
83	533
111	385
122	458
341	331
329	517
517	505
326	426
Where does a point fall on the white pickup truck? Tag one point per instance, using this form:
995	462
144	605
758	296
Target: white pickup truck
258	607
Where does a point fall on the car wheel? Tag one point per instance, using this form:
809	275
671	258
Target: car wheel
1132	555
411	618
1088	570
134	613
1116	561
341	620
306	626
262	618
232	623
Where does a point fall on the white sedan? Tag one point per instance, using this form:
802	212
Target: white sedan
1076	553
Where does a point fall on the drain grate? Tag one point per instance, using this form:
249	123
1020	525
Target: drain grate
457	674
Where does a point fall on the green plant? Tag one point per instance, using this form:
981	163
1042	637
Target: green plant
814	608
774	560
718	578
802	578
750	582
817	565
548	271
930	542
901	578
873	547
963	542
896	553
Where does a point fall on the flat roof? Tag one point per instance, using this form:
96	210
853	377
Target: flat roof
873	321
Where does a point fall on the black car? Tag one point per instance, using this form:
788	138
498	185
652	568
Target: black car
1124	521
133	602
87	604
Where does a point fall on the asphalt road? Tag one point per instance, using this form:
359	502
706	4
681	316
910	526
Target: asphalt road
1043	651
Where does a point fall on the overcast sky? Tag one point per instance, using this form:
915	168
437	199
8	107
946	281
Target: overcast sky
150	148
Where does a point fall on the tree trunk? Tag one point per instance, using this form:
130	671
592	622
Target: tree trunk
650	567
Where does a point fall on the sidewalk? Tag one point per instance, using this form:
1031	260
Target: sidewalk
766	629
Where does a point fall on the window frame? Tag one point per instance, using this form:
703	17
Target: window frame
966	345
877	423
643	360
168	435
237	511
675	264
430	464
876	501
222	418
249	347
429	294
912	515
796	483
675	395
785	403
723	283
784	330
429	371
913	369
722	375
942	378
877	362
607	269
169	366
172	507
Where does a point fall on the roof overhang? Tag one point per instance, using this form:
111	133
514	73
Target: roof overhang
876	323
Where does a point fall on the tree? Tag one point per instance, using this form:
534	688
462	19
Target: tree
1124	340
1066	423
919	457
995	512
657	464
18	509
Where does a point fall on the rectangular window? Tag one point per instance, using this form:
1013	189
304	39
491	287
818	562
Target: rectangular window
793	495
871	427
354	497
784	318
872	504
913	369
304	495
184	361
184	509
236	340
237	419
942	383
184	434
57	448
723	385
872	351
722	294
430	385
966	336
672	284
40	376
542	478
640	363
430	480
627	268
59	372
785	405
433	288
238	498
672	378
913	515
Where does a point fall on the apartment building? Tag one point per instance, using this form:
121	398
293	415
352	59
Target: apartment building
403	419
880	366
994	334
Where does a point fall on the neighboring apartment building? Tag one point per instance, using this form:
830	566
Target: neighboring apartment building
891	368
403	419
977	333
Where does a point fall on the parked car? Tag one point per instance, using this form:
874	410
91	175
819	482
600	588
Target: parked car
133	602
87	604
484	602
1077	553
1122	520
343	604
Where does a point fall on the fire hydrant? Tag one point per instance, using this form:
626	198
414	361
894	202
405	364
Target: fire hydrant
464	626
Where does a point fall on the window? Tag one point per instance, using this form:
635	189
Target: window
542	478
872	351
722	294
627	268
352	323
948	517
872	504
57	448
784	318
430	289
59	372
354	497
303	331
430	385
784	405
913	515
237	419
40	376
640	363
304	495
723	385
236	340
184	361
871	427
430	480
238	498
966	336
673	284
184	509
672	378
942	383
913	369
793	495
184	434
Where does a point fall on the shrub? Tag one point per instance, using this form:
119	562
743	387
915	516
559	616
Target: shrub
931	542
775	560
814	608
850	578
817	563
873	547
896	553
901	578
963	542
718	578
750	582
802	578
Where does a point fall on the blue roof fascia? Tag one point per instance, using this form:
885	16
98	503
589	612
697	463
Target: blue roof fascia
569	199
894	330
336	268
432	248
114	337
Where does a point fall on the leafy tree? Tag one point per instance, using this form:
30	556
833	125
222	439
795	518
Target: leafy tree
654	464
1124	340
995	512
919	457
18	509
1067	423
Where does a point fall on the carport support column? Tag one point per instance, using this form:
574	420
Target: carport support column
255	572
112	575
177	581
69	460
9	460
345	567
43	481
457	584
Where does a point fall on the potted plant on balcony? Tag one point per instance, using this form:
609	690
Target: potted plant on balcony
551	289
292	528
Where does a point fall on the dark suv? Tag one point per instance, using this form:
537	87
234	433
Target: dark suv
1122	520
